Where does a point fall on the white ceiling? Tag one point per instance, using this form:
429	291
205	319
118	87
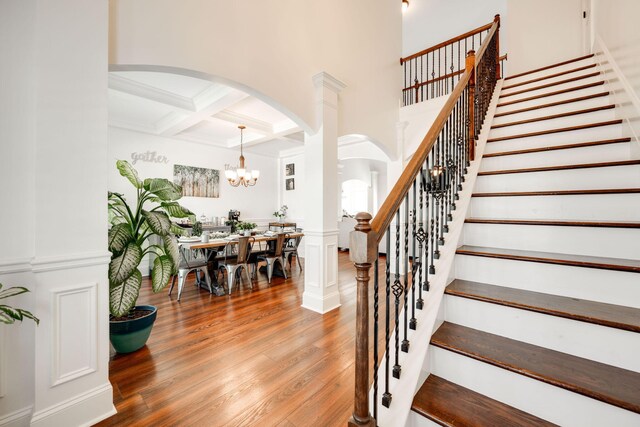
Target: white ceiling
192	109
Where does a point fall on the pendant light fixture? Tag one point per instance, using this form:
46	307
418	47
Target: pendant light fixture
240	175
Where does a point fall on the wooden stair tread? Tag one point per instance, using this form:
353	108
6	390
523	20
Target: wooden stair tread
556	130
450	404
559	192
552	104
610	384
614	316
561	223
562	167
572	260
544	86
547	67
550	76
555	116
559	147
547	94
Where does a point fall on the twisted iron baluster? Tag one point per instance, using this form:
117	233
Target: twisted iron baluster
414	263
437	194
386	396
375	339
405	341
397	292
432	268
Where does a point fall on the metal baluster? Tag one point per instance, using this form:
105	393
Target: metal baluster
386	396
442	193
433	72
397	292
414	263
405	341
452	68
437	161
375	339
422	236
432	268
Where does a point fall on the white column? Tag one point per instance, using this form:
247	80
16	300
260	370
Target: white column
374	193
321	292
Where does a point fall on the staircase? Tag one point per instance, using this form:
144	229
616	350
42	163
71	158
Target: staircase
541	325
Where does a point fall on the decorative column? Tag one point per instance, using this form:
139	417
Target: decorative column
374	192
321	292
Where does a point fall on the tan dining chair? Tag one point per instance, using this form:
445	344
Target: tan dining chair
191	261
235	259
273	255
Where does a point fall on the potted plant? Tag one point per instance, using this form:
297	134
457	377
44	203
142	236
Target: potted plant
8	314
196	230
246	227
281	213
132	227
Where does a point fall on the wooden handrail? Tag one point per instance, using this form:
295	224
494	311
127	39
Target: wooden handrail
391	204
483	48
447	42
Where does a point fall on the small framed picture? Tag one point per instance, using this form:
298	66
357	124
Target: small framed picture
290	169
291	184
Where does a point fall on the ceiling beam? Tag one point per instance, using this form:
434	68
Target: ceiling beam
132	87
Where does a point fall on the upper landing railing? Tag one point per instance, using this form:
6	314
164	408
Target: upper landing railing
415	214
434	71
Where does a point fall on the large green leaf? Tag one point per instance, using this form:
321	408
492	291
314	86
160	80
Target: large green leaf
172	250
17	290
119	237
163	188
177	230
123	266
123	296
159	222
161	273
129	172
175	210
9	315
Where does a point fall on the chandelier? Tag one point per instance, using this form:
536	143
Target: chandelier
240	175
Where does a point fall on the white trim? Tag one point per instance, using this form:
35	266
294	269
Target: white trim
63	262
63	413
17	418
57	376
16	265
321	233
3	363
327	81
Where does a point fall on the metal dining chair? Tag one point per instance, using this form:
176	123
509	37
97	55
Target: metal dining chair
291	250
191	261
235	259
273	254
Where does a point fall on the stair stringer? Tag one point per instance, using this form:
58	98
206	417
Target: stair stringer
415	365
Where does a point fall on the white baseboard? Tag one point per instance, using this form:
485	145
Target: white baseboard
80	410
19	418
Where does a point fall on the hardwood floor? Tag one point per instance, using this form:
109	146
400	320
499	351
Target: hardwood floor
253	358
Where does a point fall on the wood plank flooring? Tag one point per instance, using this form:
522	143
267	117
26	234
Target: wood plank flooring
255	358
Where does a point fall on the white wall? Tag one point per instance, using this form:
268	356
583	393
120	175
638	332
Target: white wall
542	32
53	133
294	199
274	48
429	22
255	203
617	48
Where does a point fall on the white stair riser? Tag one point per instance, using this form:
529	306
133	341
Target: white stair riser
549	111
548	99
569	179
563	86
612	287
593	154
547	80
605	207
558	138
600	343
550	71
577	120
543	400
590	241
417	420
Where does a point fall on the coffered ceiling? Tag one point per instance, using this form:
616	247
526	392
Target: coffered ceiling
196	110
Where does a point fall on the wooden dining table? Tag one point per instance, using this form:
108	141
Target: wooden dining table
220	243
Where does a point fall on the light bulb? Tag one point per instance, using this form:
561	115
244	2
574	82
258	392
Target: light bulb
405	5
256	174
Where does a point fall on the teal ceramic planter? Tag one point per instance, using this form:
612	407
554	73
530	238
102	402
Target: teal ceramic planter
131	335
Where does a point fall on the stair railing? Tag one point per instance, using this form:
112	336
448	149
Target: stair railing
434	71
423	199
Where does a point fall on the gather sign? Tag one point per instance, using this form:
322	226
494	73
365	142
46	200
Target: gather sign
149	156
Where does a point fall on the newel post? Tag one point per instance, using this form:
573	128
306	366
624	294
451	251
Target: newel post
362	251
496	36
470	65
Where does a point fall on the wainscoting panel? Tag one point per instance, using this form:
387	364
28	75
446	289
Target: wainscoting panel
74	321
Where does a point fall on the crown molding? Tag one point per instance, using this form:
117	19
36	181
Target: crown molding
326	80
